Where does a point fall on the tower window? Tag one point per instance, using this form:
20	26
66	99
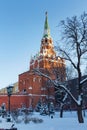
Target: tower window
50	40
34	79
45	40
30	87
23	82
39	79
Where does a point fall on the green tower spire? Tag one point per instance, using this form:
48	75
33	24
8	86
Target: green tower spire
46	27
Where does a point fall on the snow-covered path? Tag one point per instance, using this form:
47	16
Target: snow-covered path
55	124
68	122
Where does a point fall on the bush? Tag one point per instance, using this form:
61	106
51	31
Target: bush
26	120
36	120
18	121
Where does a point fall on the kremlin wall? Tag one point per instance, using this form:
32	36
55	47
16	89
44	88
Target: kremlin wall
31	87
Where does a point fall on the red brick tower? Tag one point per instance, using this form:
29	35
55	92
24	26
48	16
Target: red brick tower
35	86
41	60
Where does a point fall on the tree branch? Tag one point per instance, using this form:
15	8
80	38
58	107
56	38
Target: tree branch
68	58
56	85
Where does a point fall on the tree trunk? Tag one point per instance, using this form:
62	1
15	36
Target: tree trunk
79	107
61	111
79	114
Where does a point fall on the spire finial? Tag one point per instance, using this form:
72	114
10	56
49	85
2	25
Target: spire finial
46	13
46	27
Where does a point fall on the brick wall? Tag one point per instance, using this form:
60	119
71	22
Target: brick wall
16	101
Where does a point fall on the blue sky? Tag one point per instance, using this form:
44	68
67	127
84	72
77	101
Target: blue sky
21	30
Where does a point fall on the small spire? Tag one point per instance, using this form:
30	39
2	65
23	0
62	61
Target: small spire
46	27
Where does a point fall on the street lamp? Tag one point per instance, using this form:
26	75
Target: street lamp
9	92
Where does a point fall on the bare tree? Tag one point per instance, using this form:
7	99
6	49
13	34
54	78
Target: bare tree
74	49
60	97
60	86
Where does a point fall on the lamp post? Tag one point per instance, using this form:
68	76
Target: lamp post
9	92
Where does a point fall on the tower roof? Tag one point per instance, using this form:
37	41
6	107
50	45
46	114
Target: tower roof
46	27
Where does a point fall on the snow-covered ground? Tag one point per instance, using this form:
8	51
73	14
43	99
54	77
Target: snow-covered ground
68	122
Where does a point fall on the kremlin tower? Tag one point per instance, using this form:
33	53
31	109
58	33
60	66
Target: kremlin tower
35	86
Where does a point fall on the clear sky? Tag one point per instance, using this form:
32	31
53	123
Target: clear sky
21	30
